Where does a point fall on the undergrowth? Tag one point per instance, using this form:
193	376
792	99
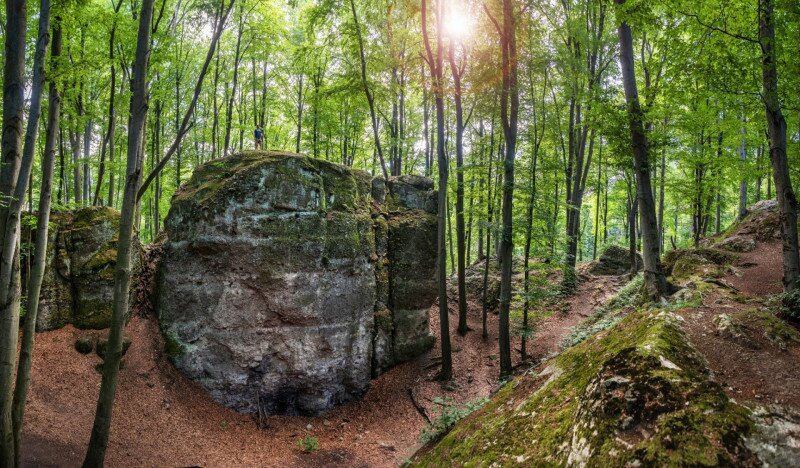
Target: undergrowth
608	315
449	414
308	444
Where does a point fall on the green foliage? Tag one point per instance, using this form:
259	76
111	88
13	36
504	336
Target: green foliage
308	444
447	415
791	305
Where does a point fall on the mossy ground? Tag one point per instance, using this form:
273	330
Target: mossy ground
637	393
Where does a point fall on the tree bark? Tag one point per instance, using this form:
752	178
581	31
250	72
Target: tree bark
98	442
10	206
654	278
436	65
368	93
457	72
509	110
776	127
36	271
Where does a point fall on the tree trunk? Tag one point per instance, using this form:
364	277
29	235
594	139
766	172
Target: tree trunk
370	98
36	271
776	126
460	238
98	442
654	278
743	183
436	66
10	206
489	221
509	110
661	196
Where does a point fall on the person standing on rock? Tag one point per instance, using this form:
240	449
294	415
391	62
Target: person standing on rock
259	136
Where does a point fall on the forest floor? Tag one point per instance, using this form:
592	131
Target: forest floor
162	419
755	367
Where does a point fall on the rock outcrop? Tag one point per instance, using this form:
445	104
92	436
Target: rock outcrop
637	395
287	282
78	283
615	260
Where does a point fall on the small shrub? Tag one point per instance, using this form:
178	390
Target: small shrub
448	415
308	444
84	345
791	305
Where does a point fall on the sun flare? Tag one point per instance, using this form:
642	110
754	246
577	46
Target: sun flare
458	25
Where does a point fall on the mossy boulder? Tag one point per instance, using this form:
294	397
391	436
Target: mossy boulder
84	345
615	260
283	278
682	264
635	395
757	328
78	283
102	346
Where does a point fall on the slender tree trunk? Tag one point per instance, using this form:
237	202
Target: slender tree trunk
370	98
87	174
654	278
489	227
527	256
776	126
98	443
743	183
509	109
436	74
661	196
597	201
460	239
36	271
299	131
425	126
10	207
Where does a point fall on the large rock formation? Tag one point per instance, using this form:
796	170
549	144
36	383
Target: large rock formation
287	282
78	283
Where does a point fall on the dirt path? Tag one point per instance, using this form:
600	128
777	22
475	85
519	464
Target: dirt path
162	419
759	370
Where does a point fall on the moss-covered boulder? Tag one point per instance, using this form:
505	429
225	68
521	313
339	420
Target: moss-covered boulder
615	260
683	264
285	283
78	283
636	395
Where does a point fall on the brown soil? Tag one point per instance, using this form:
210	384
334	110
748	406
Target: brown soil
766	375
162	419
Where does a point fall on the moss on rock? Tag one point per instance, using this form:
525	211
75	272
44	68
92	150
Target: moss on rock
78	283
683	263
637	394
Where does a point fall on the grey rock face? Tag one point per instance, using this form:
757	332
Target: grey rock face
273	291
78	282
776	438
